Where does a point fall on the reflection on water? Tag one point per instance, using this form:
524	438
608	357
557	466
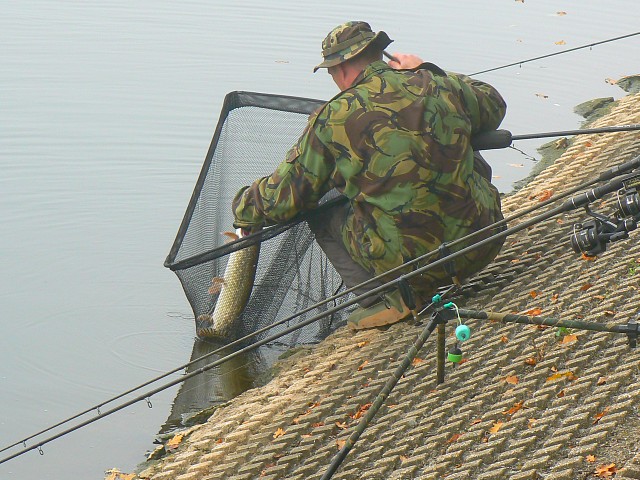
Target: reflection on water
214	386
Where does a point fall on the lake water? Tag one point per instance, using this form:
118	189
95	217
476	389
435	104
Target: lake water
107	109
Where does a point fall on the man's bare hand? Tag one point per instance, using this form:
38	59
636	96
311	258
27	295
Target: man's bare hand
405	61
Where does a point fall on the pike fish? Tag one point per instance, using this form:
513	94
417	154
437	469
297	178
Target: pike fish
233	290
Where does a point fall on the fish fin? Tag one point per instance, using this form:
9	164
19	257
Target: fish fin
216	285
231	236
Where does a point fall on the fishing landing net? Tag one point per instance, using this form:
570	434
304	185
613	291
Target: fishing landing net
253	134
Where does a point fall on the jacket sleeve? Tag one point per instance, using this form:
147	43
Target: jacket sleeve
484	105
296	185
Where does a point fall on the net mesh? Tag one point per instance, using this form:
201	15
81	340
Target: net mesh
254	133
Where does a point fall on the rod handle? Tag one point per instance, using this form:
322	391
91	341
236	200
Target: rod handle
491	140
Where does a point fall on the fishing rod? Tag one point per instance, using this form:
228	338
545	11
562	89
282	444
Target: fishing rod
581	200
588	45
604	176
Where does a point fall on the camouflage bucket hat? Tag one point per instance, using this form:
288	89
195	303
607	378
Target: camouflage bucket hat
347	40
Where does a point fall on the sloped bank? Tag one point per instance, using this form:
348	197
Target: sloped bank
526	403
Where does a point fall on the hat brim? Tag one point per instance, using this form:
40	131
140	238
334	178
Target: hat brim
380	39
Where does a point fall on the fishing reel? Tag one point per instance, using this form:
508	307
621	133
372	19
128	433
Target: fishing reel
592	236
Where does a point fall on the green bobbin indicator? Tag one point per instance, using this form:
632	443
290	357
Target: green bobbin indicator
454	355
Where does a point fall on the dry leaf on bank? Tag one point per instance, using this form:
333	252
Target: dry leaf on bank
600	415
569	338
175	441
561	375
496	427
604	471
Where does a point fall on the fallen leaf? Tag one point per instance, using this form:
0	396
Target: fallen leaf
602	380
175	441
531	361
340	444
534	294
588	258
279	432
532	422
454	438
534	312
554	297
554	368
496	427
545	195
504	339
561	42
476	421
416	361
516	406
317	424
569	339
362	365
361	411
560	394
609	313
561	375
362	344
590	458
341	425
403	458
586	286
600	415
513	380
606	470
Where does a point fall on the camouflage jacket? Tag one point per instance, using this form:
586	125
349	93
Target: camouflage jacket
397	144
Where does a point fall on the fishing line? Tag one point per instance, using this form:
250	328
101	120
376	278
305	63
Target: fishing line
570	204
522	62
523	153
606	175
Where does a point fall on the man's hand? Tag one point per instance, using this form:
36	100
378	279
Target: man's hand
405	61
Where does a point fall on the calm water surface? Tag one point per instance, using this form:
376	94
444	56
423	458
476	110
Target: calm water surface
107	109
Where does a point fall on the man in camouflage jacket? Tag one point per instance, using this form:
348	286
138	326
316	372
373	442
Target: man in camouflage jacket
396	143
